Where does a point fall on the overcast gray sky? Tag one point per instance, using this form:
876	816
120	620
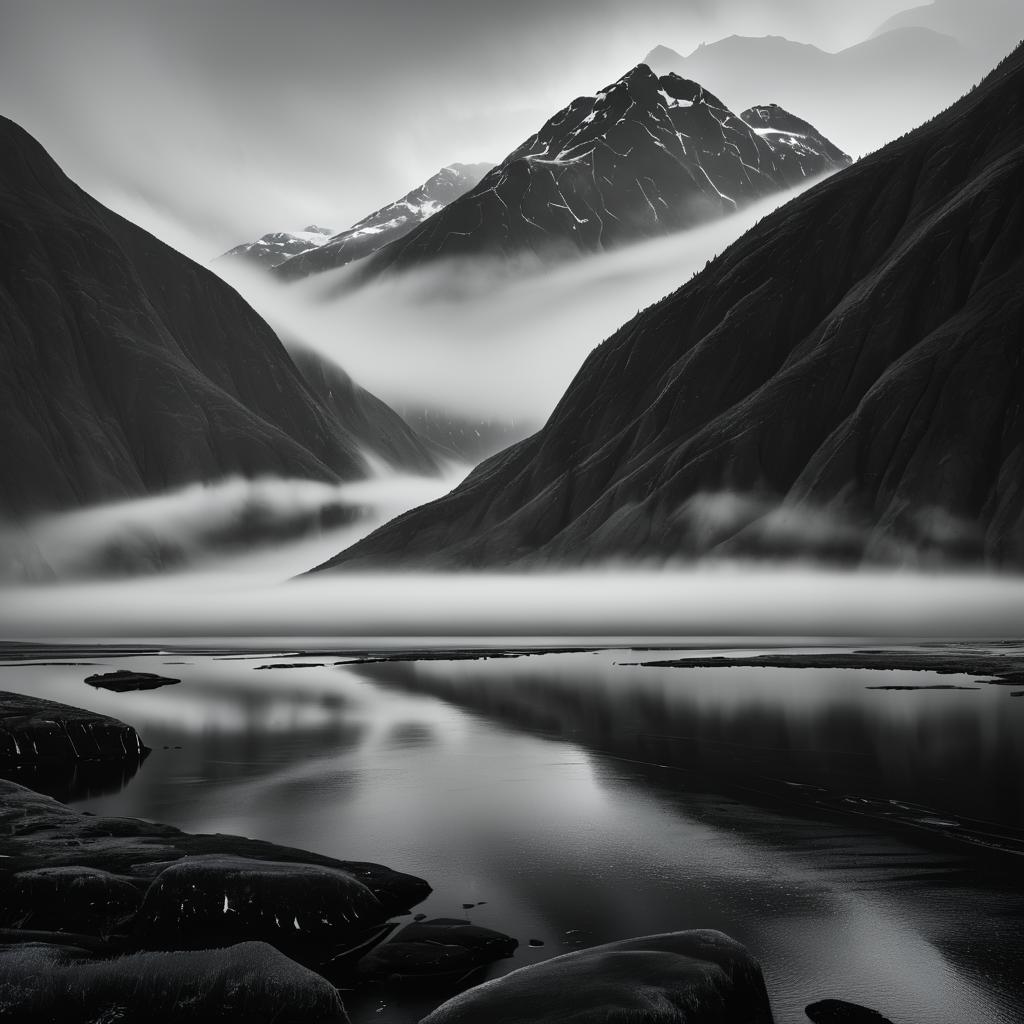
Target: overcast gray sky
211	121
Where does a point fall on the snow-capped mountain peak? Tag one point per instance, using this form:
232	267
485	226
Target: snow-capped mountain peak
323	248
644	156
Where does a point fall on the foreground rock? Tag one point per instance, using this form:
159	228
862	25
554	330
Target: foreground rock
86	902
35	731
64	751
74	871
440	950
124	680
694	977
68	899
224	898
836	1011
250	982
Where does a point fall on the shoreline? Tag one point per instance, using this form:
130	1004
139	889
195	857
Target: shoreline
373	665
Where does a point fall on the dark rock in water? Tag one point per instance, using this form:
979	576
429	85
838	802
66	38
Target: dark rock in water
294	664
76	899
124	680
54	938
439	949
836	1011
251	982
35	731
936	686
224	898
36	832
696	977
77	890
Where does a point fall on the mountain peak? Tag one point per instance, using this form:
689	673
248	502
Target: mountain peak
643	156
295	254
638	73
808	393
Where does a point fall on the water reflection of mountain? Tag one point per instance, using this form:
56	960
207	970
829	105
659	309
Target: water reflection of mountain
946	761
76	780
218	730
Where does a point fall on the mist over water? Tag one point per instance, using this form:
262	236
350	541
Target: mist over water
482	339
254	599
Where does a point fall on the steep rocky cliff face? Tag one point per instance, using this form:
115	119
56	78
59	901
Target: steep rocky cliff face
125	368
846	380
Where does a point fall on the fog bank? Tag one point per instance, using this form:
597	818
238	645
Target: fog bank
723	600
477	338
268	527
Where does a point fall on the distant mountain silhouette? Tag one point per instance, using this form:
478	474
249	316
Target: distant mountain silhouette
317	249
846	380
990	27
128	369
643	157
866	95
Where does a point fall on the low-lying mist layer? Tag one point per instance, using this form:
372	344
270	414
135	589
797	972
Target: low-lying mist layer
265	525
724	600
480	339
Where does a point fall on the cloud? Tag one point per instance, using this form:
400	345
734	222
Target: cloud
483	339
244	116
725	600
267	527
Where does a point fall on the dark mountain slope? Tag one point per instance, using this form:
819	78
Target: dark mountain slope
361	414
125	368
848	379
643	157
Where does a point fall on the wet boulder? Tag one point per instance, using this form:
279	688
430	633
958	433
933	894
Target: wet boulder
37	831
439	950
69	899
693	977
251	982
838	1011
35	731
221	898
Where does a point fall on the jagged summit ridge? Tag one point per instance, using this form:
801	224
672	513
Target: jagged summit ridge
388	223
642	157
326	248
846	381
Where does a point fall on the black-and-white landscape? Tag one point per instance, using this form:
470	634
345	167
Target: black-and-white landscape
512	514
